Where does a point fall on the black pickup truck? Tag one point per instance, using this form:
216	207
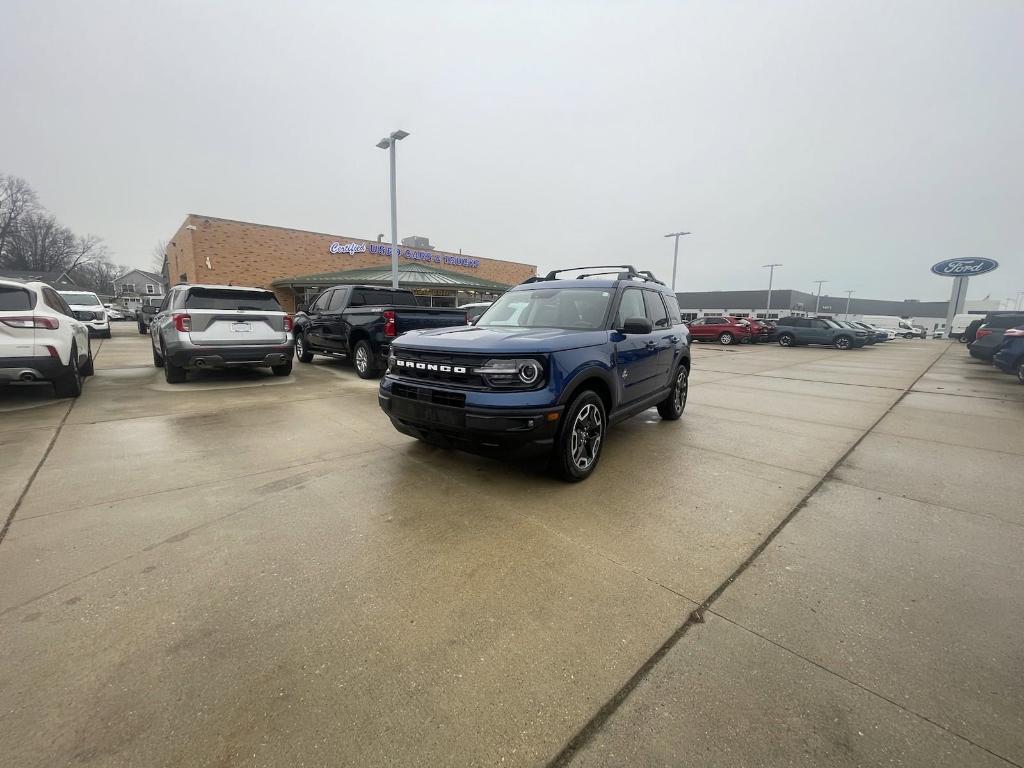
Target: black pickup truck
360	322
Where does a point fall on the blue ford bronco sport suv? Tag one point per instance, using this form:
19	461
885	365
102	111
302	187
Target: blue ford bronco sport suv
546	369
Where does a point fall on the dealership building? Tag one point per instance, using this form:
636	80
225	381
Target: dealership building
297	264
928	314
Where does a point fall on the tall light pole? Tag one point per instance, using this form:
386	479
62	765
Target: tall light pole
817	301
675	255
388	143
771	276
848	295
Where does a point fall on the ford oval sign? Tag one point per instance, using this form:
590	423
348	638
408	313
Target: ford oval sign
964	267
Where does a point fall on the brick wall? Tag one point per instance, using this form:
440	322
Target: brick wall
241	253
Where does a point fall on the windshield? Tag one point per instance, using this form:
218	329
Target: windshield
582	309
80	298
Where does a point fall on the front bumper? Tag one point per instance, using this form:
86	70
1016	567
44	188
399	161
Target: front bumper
96	326
261	356
434	415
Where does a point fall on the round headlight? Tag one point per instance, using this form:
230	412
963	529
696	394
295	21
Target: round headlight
529	373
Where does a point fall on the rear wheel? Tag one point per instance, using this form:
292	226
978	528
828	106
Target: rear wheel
725	338
578	447
174	374
158	361
842	342
362	359
909	336
285	369
671	408
142	329
302	352
88	367
70	382
786	340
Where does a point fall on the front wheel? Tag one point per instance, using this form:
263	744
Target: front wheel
671	408
843	342
302	352
578	447
786	340
362	359
909	336
725	339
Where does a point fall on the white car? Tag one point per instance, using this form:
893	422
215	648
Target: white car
40	338
113	313
474	310
89	309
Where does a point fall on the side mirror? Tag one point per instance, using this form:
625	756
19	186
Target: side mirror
302	308
637	325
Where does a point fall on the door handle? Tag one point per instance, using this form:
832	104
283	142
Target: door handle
673	339
651	344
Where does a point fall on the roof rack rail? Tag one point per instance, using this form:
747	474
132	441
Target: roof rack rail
629	273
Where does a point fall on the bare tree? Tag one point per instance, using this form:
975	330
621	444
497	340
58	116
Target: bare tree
156	262
17	200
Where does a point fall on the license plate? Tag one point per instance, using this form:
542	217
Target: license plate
241	327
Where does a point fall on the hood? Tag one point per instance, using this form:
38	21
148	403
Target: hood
502	341
89	307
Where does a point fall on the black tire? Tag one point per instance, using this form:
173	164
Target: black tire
909	335
672	407
89	367
787	340
142	329
302	352
726	338
70	382
158	361
842	342
962	338
575	459
174	374
106	334
363	360
285	369
1020	371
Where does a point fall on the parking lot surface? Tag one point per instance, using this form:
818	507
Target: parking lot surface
819	564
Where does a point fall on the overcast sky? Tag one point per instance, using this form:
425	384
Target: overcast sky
857	142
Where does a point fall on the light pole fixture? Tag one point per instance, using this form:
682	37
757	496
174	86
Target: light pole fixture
675	255
388	143
771	276
817	301
848	295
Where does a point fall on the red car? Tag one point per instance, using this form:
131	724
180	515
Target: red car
724	330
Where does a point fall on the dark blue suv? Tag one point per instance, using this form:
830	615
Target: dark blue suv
546	369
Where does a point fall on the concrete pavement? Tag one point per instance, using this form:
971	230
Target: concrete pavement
244	570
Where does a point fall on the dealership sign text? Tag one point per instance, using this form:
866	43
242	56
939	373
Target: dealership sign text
964	267
406	253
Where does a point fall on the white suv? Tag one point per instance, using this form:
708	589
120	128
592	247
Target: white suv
90	310
40	338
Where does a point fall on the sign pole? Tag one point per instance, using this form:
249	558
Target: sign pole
957	299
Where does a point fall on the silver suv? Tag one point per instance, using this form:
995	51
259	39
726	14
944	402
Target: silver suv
218	326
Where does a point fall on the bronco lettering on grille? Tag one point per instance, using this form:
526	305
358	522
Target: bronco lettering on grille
438	367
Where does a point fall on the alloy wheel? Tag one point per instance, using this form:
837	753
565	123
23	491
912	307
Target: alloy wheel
361	361
300	347
587	432
681	389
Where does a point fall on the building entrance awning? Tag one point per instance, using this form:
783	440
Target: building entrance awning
411	276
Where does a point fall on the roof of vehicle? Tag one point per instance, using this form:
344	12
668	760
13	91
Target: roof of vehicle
624	274
15	282
221	287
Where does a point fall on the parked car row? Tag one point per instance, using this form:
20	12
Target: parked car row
998	338
790	331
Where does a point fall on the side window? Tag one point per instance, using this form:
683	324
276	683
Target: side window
819	324
55	302
164	304
656	310
337	301
630	305
320	304
697	321
672	304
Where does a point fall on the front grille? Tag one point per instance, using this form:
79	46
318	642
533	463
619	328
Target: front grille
440	367
426	395
84	315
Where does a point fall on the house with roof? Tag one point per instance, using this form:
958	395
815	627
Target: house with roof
131	288
59	280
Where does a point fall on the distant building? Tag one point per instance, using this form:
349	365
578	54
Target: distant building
929	314
131	287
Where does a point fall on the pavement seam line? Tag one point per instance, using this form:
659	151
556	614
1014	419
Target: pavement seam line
583	736
862	687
